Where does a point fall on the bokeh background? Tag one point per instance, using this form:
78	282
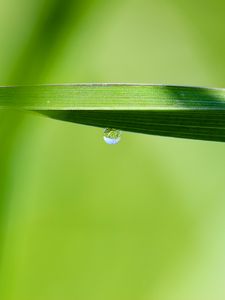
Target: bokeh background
79	219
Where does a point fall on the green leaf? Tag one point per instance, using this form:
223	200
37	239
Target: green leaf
176	111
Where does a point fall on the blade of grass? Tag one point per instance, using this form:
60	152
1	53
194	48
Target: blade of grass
176	111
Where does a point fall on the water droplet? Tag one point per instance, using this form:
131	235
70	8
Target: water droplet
112	136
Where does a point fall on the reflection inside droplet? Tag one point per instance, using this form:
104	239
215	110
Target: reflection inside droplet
112	136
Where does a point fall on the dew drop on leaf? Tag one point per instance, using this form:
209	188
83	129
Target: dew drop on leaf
112	136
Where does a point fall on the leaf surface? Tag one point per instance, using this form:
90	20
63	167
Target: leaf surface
176	111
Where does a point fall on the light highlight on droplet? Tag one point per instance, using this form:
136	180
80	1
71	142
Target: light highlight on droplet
112	136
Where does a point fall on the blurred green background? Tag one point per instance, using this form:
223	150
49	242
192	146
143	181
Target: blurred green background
79	219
